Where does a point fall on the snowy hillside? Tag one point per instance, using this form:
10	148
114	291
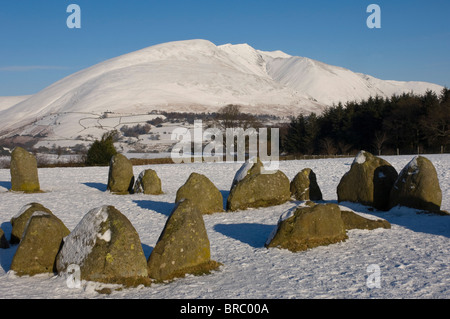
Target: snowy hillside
8	101
190	76
413	256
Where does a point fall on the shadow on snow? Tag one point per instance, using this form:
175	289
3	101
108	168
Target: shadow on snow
251	234
163	208
100	186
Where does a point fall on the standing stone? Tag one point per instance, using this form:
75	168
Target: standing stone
304	186
308	227
417	186
369	181
199	189
183	246
107	248
40	245
20	220
251	166
354	220
24	172
121	176
254	187
148	183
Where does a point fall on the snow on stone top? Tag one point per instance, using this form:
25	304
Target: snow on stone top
40	213
22	210
79	243
412	167
360	158
35	214
243	170
413	163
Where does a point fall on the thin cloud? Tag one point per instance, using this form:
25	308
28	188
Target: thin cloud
25	68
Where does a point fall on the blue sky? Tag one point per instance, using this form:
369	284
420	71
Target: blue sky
37	48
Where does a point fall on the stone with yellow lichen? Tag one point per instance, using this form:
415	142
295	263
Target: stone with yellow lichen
183	246
39	245
24	172
107	248
200	189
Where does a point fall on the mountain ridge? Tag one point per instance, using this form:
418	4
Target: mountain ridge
195	76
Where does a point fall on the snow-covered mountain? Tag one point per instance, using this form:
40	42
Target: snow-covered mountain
8	101
191	76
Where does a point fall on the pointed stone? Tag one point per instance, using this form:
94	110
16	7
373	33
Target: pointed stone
183	246
20	220
40	245
106	248
199	189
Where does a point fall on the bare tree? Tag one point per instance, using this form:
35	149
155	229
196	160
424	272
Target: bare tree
380	139
230	116
328	147
344	147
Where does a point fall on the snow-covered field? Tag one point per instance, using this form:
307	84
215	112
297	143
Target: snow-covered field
413	256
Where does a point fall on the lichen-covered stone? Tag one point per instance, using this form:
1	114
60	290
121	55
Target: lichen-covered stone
148	183
258	188
24	172
368	182
308	227
120	177
183	246
20	220
251	166
304	186
417	186
199	189
40	245
353	220
107	248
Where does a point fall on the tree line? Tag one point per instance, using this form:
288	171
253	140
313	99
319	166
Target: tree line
402	124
